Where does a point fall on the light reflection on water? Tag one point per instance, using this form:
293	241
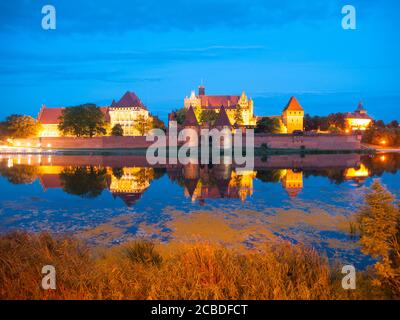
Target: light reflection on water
112	199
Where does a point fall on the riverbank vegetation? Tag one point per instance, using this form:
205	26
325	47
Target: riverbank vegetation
138	271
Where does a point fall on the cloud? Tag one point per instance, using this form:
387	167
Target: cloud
120	15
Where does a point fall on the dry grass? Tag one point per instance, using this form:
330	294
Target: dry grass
137	271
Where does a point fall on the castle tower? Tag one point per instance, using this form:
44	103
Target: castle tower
293	116
192	123
202	90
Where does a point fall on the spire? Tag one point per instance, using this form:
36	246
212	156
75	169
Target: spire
223	119
360	108
190	118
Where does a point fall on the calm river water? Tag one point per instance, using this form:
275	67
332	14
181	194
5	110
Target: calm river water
108	200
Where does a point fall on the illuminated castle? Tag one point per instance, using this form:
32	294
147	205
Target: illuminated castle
124	112
219	182
232	104
131	185
358	120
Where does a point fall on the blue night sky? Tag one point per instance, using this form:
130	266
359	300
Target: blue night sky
162	50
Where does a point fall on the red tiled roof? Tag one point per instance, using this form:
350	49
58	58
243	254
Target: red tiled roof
293	105
52	115
223	119
128	100
215	102
190	118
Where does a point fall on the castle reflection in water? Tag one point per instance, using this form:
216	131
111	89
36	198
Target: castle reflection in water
128	177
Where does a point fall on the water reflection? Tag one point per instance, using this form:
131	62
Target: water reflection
128	177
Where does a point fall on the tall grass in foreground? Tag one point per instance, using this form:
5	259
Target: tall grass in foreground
137	271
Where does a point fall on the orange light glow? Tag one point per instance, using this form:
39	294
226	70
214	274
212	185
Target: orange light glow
362	172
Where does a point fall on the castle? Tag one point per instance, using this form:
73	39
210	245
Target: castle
232	104
291	119
125	112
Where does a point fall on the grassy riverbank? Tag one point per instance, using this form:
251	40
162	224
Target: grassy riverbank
196	271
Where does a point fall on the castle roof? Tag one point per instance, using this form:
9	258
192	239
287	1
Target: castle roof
128	198
215	102
293	192
128	100
223	119
52	115
360	107
293	105
190	118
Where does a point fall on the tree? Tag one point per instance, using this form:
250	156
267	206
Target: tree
208	116
84	120
333	129
238	115
3	130
118	172
20	174
269	125
337	120
379	124
19	126
117	131
180	115
379	221
86	182
143	124
393	124
158	123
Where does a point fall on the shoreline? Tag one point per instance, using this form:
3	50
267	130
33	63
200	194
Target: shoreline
142	151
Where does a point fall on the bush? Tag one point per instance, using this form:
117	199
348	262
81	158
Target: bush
143	252
117	131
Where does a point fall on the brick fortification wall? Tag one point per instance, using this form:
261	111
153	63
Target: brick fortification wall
88	143
315	142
